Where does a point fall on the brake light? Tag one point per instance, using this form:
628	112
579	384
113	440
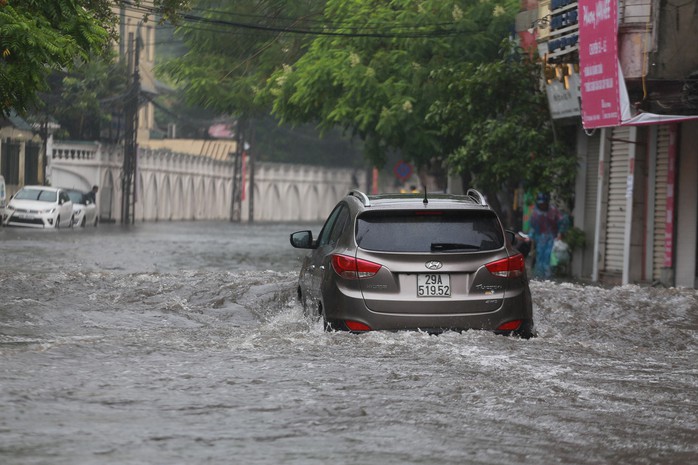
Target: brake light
357	326
353	268
511	267
510	325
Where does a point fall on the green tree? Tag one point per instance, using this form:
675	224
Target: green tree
233	47
38	37
495	126
232	50
375	78
85	99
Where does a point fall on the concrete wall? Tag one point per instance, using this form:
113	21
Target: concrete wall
176	186
678	36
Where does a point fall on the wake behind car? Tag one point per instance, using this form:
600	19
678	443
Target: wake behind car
400	261
40	207
84	209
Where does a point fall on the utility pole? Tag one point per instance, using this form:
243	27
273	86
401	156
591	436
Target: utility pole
130	132
44	138
239	171
236	199
250	164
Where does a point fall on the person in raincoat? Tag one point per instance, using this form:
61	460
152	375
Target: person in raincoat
544	228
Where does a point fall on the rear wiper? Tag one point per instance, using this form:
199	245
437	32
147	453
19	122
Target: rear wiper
444	246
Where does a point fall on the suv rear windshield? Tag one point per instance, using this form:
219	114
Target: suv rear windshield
429	231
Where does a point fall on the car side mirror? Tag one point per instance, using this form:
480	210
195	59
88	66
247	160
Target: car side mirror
302	239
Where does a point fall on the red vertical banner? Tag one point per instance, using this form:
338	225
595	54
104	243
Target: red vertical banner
374	181
598	63
670	181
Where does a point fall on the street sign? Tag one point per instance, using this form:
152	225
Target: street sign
402	170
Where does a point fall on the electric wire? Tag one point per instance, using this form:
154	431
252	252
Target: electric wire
327	28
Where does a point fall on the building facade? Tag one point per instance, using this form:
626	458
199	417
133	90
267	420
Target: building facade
636	195
21	154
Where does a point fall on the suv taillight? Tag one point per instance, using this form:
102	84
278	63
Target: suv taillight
512	267
353	268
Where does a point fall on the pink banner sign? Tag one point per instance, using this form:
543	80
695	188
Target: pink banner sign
598	63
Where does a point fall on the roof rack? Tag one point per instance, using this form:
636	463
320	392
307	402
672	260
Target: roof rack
361	196
477	196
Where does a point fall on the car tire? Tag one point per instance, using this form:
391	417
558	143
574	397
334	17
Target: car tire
527	330
83	222
72	222
58	222
96	220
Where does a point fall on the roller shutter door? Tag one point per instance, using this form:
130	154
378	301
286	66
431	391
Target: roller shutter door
615	215
660	190
592	183
590	198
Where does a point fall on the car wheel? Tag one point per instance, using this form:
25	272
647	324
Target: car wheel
95	221
527	330
83	222
72	222
58	222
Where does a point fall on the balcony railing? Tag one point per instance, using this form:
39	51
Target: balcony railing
74	151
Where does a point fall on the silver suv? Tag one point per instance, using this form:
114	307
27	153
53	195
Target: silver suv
403	261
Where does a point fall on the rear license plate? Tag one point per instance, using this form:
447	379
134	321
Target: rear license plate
433	285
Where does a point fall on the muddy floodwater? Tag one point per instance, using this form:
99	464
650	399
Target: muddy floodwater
183	343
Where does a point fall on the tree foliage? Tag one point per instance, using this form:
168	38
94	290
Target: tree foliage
38	37
434	81
232	50
495	126
441	85
86	99
380	86
225	66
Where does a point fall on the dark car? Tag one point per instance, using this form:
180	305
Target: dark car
407	262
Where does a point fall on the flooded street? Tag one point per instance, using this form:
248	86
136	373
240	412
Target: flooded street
183	343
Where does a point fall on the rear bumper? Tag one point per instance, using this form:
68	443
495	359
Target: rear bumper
340	307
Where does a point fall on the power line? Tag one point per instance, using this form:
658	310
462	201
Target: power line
321	22
325	28
324	23
384	35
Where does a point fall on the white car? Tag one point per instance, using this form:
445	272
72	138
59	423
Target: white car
84	209
40	207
